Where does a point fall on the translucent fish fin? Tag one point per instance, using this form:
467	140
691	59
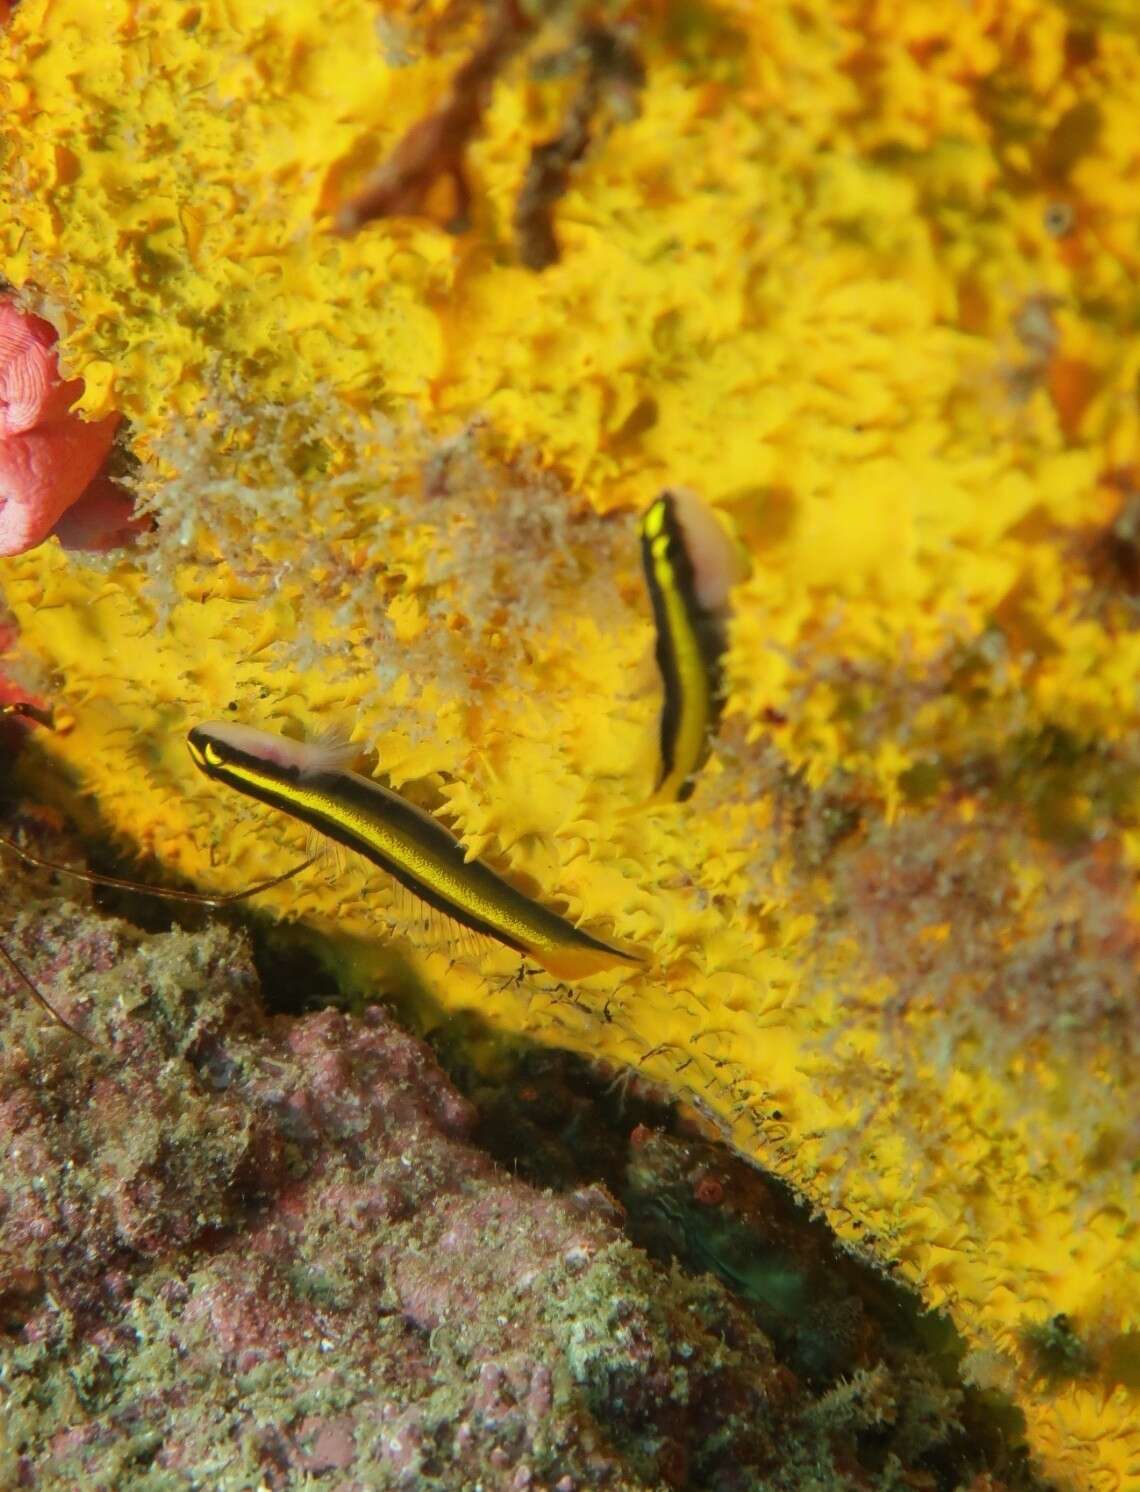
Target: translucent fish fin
328	853
413	917
331	751
458	934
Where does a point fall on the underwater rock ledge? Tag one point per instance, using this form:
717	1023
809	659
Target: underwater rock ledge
240	1249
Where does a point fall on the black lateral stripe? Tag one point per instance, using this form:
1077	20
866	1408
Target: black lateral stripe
707	629
347	787
373	802
352	788
358	792
665	653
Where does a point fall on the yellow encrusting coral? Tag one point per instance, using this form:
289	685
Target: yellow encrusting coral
862	274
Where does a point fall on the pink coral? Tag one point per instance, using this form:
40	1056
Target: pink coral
50	459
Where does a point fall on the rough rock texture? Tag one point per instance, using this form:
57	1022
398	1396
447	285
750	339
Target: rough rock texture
243	1250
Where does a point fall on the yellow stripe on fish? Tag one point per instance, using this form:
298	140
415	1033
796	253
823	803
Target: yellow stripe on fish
690	566
418	851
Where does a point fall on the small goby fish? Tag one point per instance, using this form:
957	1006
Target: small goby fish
310	783
690	566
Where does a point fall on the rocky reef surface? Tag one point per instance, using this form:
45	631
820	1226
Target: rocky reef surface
244	1249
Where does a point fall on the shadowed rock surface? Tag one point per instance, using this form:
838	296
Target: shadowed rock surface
241	1249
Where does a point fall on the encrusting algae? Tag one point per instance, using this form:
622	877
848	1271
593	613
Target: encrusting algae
862	275
297	1269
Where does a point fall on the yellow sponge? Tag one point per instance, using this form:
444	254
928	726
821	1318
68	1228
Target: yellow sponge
864	276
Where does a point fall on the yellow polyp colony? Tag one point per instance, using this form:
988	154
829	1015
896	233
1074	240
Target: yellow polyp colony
861	274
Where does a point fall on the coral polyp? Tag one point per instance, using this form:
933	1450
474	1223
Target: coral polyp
864	277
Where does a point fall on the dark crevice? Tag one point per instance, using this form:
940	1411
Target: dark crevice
558	1121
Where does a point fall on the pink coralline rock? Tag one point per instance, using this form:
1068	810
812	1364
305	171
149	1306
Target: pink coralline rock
50	459
242	1249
